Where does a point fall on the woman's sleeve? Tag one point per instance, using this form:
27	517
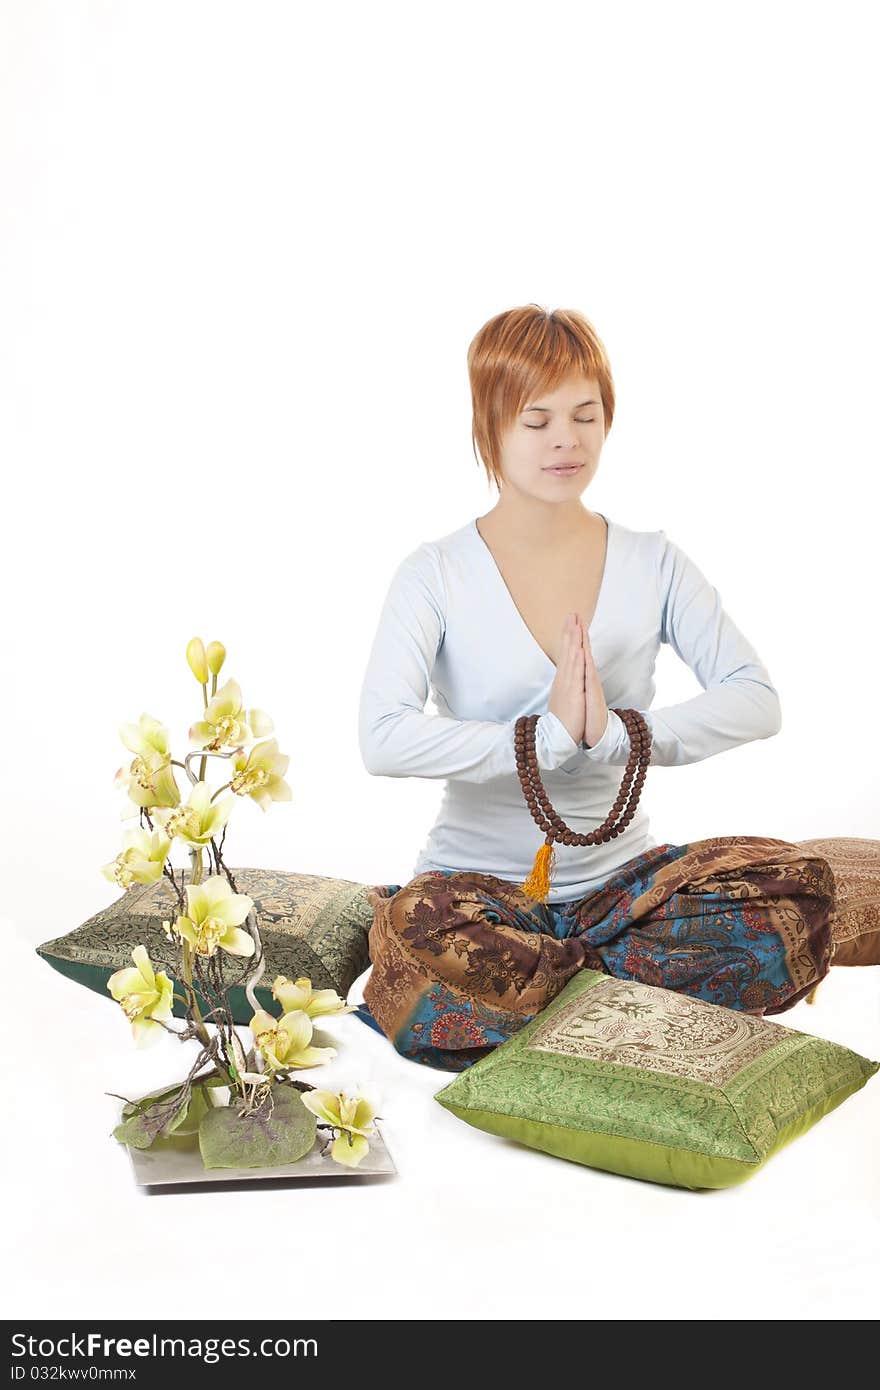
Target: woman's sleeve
739	702
396	737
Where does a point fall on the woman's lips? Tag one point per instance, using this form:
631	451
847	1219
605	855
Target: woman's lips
564	471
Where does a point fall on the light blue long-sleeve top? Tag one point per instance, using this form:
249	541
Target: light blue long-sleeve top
449	628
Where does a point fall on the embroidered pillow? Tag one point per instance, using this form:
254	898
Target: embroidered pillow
654	1084
310	925
855	924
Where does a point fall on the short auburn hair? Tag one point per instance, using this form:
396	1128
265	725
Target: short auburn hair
520	353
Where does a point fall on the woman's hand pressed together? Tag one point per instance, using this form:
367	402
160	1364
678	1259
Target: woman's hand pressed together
568	692
597	709
576	696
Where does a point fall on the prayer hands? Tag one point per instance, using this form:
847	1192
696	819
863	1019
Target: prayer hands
576	696
596	707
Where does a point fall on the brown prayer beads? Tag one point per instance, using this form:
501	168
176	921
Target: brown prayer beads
538	802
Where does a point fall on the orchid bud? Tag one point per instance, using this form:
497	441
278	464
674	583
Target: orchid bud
198	662
216	657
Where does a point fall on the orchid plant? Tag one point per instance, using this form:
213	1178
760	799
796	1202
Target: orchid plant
239	1105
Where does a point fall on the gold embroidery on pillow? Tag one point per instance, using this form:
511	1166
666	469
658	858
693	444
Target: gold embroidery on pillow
632	1024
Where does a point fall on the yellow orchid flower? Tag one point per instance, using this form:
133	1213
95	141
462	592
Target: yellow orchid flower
199	819
216	655
349	1148
148	780
225	724
284	1042
214	917
314	1002
145	996
147	736
197	660
142	858
259	774
351	1115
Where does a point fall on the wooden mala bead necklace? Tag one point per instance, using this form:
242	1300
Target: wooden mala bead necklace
537	885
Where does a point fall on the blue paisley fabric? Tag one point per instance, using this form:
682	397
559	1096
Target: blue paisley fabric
461	961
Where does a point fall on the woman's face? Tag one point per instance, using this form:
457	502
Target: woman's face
557	427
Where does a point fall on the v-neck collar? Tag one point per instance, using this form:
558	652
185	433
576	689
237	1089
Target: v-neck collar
503	583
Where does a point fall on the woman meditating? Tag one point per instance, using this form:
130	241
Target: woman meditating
531	627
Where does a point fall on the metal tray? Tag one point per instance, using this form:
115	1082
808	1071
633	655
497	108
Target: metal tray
165	1168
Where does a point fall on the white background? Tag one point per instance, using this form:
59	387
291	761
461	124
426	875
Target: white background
244	250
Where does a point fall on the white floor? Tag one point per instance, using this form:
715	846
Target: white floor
472	1227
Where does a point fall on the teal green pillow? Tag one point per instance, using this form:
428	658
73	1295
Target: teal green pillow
309	925
654	1084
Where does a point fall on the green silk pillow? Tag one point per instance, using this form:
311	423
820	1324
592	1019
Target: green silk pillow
654	1084
309	925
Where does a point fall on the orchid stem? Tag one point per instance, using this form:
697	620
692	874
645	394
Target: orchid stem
188	950
204	760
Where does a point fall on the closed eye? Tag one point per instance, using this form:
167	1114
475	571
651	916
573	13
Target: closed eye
591	421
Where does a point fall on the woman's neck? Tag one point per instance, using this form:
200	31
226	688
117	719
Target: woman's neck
526	524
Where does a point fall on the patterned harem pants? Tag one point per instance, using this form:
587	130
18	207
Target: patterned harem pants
461	961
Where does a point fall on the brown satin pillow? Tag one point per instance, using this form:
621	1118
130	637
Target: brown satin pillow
855	925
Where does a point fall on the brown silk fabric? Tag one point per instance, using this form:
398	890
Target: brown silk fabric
434	941
436	928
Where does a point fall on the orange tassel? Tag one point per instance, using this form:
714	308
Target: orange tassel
537	885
